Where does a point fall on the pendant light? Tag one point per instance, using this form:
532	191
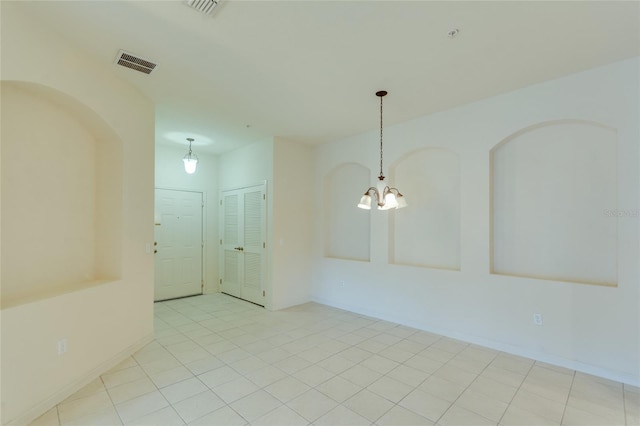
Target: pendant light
190	160
386	197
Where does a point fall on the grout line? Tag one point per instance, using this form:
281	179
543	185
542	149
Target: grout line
573	377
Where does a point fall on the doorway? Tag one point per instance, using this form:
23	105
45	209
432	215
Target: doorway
178	243
243	243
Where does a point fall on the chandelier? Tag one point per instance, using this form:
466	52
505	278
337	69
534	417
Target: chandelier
386	196
190	160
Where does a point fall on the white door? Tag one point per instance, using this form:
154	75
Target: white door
243	231
178	244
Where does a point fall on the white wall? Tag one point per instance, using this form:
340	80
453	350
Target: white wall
247	166
170	174
287	167
587	327
292	227
34	376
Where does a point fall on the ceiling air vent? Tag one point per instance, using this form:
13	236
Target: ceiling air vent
134	62
204	6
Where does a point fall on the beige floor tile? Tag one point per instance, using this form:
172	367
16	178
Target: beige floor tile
515	416
336	364
292	364
164	417
255	405
235	389
546	391
338	389
460	416
127	363
356	354
219	376
312	405
436	354
577	417
503	376
120	377
513	363
396	354
141	406
169	377
442	388
95	386
288	388
380	364
433	378
538	405
479	403
341	415
222	416
127	391
361	376
493	389
104	417
455	375
391	389
601	408
281	416
368	405
81	407
183	390
426	405
399	416
408	375
198	405
204	364
313	375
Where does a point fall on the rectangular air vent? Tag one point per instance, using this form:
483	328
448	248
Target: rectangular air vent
134	62
204	6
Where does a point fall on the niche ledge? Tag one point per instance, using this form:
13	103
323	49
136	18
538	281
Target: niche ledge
36	296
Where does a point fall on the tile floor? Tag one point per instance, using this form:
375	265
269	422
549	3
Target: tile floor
217	360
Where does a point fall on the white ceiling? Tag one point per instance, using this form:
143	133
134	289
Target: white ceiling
308	70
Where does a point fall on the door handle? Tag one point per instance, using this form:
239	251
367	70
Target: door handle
239	248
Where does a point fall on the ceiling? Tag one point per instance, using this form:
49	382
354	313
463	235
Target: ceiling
308	70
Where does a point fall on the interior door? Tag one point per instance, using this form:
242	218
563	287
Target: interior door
244	243
178	244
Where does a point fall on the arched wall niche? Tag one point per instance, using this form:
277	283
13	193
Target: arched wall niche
551	185
62	194
347	228
427	232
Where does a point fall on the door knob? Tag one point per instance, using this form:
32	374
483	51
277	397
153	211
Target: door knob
239	248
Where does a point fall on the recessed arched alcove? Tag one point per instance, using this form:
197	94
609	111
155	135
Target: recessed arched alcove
61	195
551	186
427	232
347	228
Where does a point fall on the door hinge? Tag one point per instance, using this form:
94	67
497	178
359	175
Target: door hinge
202	285
220	242
220	280
220	202
262	293
264	196
264	245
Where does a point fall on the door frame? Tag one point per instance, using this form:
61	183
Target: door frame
267	282
203	228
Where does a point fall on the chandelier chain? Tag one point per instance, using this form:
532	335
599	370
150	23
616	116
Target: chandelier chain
381	175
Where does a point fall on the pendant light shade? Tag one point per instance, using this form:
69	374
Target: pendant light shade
190	160
386	197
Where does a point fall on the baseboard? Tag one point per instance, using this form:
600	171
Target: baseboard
42	407
617	376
